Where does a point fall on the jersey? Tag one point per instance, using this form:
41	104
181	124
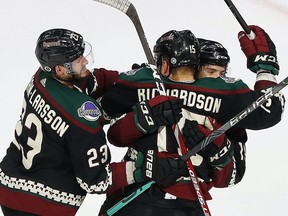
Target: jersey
59	152
203	97
220	98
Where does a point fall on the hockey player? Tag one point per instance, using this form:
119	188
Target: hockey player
214	60
220	98
59	153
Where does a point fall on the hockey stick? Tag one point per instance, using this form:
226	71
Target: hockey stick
235	12
128	8
127	199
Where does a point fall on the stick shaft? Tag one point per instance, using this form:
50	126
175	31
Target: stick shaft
240	19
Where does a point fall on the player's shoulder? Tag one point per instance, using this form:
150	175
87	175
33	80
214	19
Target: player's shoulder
142	74
222	83
74	105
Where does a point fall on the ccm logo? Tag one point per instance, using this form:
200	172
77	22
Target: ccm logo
149	163
146	113
265	58
222	152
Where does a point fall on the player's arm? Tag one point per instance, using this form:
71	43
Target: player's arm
123	131
261	57
225	156
99	82
147	117
234	171
219	152
91	161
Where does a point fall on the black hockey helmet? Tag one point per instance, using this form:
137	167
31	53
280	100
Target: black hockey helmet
57	47
212	52
181	47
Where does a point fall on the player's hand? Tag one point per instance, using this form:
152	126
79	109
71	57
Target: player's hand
158	111
137	66
260	52
163	170
218	153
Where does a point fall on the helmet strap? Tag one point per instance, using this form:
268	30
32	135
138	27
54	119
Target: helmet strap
68	66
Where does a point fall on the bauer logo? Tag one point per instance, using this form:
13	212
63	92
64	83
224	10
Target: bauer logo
89	111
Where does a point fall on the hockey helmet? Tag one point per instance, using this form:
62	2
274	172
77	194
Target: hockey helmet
58	47
212	52
181	48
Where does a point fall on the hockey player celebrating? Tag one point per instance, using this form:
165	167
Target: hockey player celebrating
177	55
59	153
214	60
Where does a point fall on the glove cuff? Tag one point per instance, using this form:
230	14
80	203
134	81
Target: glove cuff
130	169
138	176
263	61
264	75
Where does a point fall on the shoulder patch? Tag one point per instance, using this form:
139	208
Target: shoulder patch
131	72
89	111
229	79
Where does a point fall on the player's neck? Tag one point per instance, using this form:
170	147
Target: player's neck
64	82
183	75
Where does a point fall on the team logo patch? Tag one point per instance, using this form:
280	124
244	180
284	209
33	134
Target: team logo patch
131	72
229	79
89	111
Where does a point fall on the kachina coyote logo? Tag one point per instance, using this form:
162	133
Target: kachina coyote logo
89	111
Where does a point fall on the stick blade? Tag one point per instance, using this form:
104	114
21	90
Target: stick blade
122	5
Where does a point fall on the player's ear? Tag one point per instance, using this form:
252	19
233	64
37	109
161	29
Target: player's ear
165	68
59	69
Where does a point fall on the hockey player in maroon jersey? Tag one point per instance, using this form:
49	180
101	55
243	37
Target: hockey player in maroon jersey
59	153
222	98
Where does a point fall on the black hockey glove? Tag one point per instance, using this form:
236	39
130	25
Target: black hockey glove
260	52
158	111
137	66
218	153
163	170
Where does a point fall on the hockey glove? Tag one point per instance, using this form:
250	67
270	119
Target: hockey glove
158	111
164	171
260	52
218	153
137	66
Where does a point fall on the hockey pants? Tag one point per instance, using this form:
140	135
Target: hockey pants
153	203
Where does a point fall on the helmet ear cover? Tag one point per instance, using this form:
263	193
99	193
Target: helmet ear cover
58	47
